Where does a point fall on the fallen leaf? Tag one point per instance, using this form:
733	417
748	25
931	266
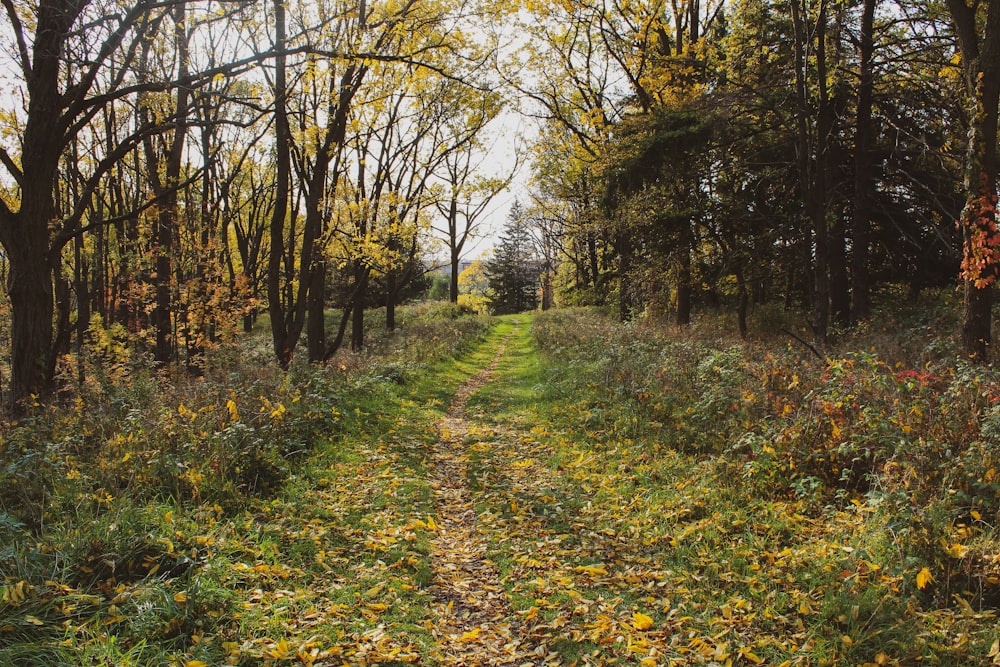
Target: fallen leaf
641	622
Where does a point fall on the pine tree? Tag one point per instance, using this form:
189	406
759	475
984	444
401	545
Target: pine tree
513	270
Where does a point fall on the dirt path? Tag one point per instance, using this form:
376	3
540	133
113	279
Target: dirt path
475	624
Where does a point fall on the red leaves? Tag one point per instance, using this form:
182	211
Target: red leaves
981	261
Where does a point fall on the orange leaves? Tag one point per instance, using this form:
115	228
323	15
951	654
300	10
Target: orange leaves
981	250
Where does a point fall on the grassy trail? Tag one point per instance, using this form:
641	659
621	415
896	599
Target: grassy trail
513	506
474	622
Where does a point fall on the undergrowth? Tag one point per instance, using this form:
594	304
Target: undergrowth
175	519
672	496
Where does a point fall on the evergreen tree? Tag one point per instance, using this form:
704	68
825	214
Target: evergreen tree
513	270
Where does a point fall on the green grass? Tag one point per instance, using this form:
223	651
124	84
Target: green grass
602	500
651	496
248	518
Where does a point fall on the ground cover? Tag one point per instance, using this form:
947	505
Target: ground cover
245	521
658	499
551	490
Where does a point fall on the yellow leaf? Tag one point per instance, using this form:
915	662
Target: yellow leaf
641	622
976	515
592	570
431	525
957	550
180	597
34	620
195	663
470	636
280	649
748	653
648	662
924	577
169	516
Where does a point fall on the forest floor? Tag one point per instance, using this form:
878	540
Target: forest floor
524	503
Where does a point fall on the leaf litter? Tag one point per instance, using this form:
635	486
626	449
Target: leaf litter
474	624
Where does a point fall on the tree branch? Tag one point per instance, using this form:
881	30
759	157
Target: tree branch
66	236
22	46
11	166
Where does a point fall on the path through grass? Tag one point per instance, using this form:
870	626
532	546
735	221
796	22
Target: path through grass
474	622
511	507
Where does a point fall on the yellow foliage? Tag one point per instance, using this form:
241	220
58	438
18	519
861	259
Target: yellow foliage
641	621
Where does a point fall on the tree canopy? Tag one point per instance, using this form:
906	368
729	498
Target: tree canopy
178	168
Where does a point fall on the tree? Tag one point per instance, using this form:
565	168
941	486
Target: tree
513	270
977	28
74	60
465	193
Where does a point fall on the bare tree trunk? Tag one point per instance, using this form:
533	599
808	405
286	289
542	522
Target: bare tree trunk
283	351
25	233
741	304
391	290
316	320
358	319
683	302
165	229
812	158
864	187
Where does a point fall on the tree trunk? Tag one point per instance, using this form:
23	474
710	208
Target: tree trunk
390	301
592	260
624	278
316	320
80	279
981	263
341	330
453	278
683	301
358	319
812	157
840	286
864	172
25	233
31	303
165	235
283	352
741	304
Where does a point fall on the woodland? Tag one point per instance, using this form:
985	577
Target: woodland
723	393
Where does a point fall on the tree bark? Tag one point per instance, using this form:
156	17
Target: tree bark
358	318
284	348
811	153
316	320
683	302
25	233
864	172
981	263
